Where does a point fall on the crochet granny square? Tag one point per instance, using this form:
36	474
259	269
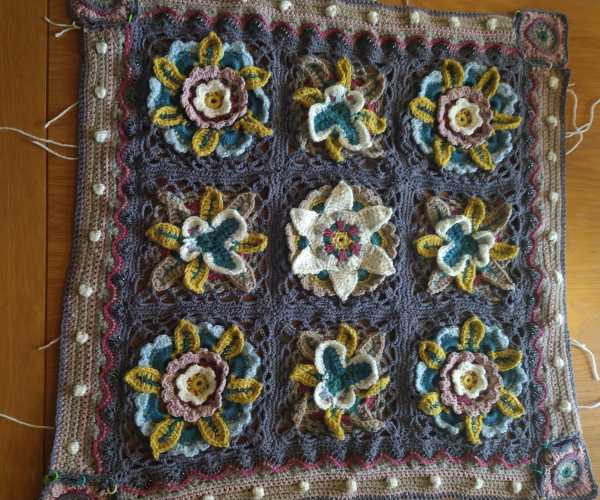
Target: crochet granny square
319	254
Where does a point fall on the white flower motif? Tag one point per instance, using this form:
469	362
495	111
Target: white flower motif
464	117
469	379
215	242
196	384
213	99
343	274
462	245
323	120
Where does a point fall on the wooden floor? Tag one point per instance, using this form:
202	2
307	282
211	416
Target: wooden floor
39	77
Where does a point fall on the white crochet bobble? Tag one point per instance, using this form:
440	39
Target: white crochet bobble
553	82
391	482
285	6
516	486
436	481
101	48
558	276
99	189
73	447
79	390
85	291
491	24
82	337
208	497
552	121
564	406
303	486
552	236
331	11
454	22
258	492
372	17
558	362
477	483
551	156
351	486
558	318
100	92
553	196
95	236
100	136
414	17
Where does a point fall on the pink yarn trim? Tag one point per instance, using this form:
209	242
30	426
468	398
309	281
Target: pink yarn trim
486	398
228	77
473	96
190	412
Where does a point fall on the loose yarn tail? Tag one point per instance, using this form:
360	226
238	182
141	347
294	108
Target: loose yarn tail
594	370
25	423
579	131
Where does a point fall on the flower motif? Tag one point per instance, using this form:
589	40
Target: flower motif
463	117
208	97
205	377
340	240
465	245
337	382
469	380
216	240
341	108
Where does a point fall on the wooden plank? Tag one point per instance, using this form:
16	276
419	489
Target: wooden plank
23	60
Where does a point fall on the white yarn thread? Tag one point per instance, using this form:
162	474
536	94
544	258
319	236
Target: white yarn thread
25	423
61	115
584	348
49	344
579	131
41	139
70	27
72	158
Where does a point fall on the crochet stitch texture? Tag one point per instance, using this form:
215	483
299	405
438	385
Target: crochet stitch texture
325	266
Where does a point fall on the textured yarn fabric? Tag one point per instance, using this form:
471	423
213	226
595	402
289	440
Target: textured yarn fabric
167	187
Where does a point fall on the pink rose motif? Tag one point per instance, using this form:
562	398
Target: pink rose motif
464	117
193	384
470	383
214	98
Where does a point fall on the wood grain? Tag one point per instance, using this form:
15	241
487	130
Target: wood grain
29	96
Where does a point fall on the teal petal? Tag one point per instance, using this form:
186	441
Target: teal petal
448	339
426	379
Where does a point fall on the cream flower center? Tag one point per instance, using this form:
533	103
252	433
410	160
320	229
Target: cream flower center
213	99
196	384
469	379
464	117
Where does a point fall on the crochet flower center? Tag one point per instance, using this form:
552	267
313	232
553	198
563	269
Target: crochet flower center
342	240
196	384
469	379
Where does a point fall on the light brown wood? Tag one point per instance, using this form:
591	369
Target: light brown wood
28	48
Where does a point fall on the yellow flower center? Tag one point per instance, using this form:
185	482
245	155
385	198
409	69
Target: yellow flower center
342	241
213	100
464	118
197	384
469	380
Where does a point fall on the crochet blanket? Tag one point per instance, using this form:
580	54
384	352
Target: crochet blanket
319	253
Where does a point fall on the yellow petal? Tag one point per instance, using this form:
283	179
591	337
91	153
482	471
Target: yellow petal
307	96
210	204
374	389
465	279
482	157
453	74
506	359
243	390
334	148
214	430
251	125
195	276
423	109
306	375
347	337
333	418
210	51
432	354
473	426
431	404
254	77
144	379
428	245
254	243
488	83
165	435
168	116
343	72
503	251
375	124
167	73
471	333
186	338
505	122
205	141
166	235
509	404
475	212
230	344
443	151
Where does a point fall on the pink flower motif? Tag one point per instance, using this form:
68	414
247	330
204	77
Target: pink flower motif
341	224
485	398
236	92
354	248
353	231
328	233
172	396
464	117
